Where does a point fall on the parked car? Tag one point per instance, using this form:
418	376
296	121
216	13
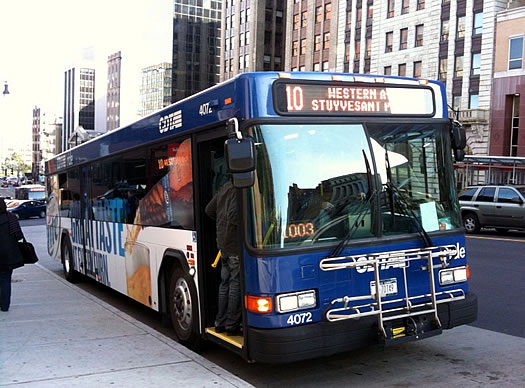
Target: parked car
27	208
497	206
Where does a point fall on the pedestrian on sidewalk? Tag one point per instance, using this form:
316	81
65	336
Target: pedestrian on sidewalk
223	209
10	256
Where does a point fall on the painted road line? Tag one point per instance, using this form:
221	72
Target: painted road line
496	238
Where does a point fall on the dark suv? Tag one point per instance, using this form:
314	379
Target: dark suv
500	207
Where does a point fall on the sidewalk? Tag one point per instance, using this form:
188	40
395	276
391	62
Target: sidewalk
57	335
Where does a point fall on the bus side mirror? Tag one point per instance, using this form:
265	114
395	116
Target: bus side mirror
458	139
240	156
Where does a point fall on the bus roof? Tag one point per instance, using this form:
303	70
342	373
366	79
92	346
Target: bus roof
247	96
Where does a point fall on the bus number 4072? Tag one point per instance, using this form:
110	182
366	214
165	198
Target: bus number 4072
297	319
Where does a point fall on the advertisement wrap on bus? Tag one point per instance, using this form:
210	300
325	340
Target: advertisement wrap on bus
349	228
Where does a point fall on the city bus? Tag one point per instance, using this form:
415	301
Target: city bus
349	223
34	192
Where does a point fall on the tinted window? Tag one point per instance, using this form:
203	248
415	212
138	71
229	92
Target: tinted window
486	194
506	195
467	194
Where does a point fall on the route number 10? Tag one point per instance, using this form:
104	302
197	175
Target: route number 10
294	97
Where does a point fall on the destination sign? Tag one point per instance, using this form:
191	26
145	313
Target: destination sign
326	99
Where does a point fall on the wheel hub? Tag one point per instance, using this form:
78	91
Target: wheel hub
182	304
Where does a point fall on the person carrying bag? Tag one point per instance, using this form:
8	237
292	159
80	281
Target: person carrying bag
10	254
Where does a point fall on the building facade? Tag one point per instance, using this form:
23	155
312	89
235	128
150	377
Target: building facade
79	104
113	93
448	40
45	131
507	136
36	154
155	88
196	46
253	36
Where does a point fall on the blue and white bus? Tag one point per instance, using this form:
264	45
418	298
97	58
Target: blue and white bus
350	224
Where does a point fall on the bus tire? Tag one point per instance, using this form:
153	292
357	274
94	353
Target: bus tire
70	274
471	223
183	309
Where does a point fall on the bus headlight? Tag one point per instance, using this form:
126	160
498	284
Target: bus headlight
296	301
453	275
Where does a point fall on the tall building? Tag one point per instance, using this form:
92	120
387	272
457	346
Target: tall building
113	94
196	46
45	129
447	40
252	36
507	137
79	105
155	89
36	155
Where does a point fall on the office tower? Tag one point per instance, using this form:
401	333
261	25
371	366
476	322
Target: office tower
113	94
252	36
79	105
36	154
196	46
155	89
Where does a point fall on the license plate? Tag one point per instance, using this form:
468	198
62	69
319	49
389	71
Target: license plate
387	286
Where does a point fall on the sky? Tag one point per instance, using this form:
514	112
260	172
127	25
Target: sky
41	39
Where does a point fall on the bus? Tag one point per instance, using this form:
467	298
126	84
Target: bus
34	192
349	223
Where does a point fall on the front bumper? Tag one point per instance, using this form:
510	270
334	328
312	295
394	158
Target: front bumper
327	338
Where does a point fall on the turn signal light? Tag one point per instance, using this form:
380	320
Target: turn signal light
259	304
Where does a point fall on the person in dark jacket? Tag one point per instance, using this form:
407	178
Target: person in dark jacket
223	209
10	256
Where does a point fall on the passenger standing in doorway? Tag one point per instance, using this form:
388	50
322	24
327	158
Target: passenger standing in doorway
10	256
223	209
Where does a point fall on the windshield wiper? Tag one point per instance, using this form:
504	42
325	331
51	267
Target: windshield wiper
392	188
360	213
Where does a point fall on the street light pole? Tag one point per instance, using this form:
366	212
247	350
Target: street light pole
6	89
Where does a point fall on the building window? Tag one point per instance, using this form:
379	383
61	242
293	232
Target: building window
420	4
326	40
456	102
328	11
473	102
444	30
476	63
390	9
296	21
404	6
318	14
478	23
317	66
458	67
357	49
388	70
295	48
302	68
368	51
347	52
304	17
460	27
389	42
419	36
359	17
516	53
403	39
515	121
402	70
417	69
443	63
317	43
303	46
325	66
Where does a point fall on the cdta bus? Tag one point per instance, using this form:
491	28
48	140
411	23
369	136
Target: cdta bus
35	192
350	227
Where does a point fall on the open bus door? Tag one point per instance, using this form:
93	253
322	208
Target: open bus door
212	174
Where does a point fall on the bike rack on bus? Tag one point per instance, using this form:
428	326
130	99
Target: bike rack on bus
413	305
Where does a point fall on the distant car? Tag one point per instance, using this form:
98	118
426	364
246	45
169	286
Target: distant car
500	207
5	183
27	208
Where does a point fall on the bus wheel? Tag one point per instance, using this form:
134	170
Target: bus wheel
183	308
67	262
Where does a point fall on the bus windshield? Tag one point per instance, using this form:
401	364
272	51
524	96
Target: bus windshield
318	183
